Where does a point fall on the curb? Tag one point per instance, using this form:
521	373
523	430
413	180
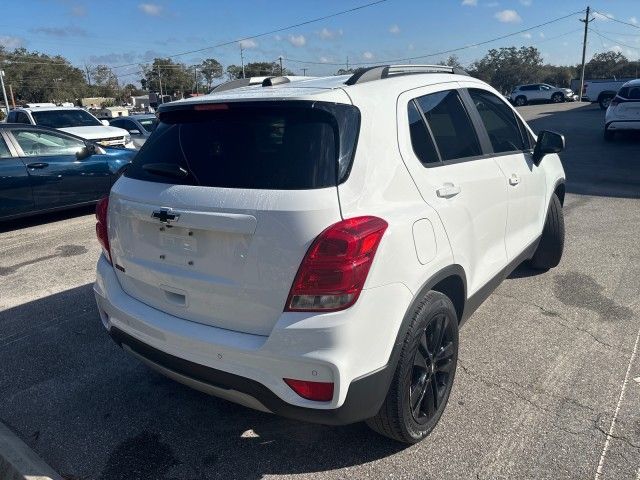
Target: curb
19	462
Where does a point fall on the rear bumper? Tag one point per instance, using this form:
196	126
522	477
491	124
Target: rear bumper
622	125
350	348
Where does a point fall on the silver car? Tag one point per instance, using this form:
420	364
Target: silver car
138	126
540	92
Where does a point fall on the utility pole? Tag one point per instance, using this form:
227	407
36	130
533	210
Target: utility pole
195	76
242	59
304	72
4	92
347	63
584	50
280	65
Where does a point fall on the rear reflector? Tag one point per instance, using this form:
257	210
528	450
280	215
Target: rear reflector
101	226
318	391
334	270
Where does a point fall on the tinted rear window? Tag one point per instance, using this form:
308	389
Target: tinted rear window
630	93
279	146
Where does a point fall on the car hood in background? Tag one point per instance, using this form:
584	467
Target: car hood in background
96	132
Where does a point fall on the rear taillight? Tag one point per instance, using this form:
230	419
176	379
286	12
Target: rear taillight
318	391
101	226
333	271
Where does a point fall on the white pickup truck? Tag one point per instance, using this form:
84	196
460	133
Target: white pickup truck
601	90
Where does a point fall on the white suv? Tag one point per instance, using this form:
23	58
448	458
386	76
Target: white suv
311	248
74	120
540	92
623	113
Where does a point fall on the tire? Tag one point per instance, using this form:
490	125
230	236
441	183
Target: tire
609	135
551	246
420	373
521	101
557	98
604	101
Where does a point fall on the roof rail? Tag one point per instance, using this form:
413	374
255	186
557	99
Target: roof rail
385	71
272	81
240	82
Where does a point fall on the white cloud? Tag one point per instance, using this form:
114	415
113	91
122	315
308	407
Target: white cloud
367	55
150	9
394	29
633	20
10	42
541	34
470	3
603	16
508	16
297	40
325	59
527	35
327	34
492	4
410	46
248	43
526	3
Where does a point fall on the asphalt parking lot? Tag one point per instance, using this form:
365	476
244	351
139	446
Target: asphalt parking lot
548	385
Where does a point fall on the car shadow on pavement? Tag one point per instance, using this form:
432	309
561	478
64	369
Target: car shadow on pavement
42	218
93	411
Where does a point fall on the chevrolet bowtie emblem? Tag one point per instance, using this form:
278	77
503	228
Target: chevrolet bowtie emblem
165	216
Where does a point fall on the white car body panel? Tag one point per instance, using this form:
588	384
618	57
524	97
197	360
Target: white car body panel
96	132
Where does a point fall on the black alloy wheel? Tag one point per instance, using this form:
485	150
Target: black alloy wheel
433	364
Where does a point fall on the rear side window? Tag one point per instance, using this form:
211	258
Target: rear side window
421	139
283	146
452	130
630	93
499	121
4	150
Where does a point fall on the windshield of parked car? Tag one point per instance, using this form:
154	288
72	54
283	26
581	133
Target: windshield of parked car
65	118
149	124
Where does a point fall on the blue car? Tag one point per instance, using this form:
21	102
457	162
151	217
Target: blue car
43	169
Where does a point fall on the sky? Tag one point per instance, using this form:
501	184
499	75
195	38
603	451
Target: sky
124	34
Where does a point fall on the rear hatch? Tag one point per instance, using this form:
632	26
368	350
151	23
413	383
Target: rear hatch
213	217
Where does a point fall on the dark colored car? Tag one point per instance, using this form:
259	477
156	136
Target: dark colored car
138	126
43	169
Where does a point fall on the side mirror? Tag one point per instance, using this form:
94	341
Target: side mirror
548	142
86	151
105	123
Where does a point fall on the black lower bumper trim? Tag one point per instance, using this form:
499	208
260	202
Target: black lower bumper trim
364	398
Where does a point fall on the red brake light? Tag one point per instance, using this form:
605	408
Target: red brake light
333	271
210	106
318	391
101	226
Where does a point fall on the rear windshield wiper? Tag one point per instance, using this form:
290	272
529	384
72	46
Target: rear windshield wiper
166	169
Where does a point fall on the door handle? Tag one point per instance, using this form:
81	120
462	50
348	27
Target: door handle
37	165
514	180
448	190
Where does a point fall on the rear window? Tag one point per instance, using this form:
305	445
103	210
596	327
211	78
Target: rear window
279	146
630	93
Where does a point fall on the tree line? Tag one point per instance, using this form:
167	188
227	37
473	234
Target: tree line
38	77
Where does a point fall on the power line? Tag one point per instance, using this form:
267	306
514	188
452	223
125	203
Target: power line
614	41
270	32
443	52
616	20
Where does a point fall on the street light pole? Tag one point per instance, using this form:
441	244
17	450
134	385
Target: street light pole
242	59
